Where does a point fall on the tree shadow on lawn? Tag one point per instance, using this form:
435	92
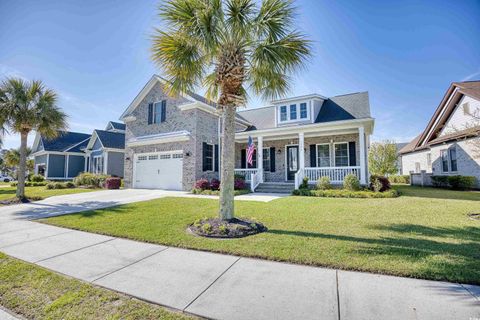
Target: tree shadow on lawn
449	261
436	193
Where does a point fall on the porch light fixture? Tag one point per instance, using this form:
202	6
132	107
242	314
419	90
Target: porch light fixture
187	154
279	151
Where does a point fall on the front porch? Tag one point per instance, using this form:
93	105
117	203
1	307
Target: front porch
332	154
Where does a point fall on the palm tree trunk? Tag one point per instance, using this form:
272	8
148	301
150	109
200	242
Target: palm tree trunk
227	163
22	165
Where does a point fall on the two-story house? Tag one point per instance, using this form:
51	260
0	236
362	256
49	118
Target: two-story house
172	142
450	143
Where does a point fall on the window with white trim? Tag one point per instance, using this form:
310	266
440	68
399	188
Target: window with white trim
453	159
341	154
98	164
266	159
303	110
444	158
294	112
157	112
323	155
209	157
283	113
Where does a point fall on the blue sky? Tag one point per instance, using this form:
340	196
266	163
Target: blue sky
95	54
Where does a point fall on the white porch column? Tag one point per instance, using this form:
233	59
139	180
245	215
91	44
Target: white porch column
301	150
105	163
260	157
363	165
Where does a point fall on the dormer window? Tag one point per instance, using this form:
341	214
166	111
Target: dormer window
294	112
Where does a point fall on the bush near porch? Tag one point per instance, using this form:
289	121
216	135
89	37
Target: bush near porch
426	233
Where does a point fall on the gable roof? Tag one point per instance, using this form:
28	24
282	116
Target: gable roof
108	139
116	125
337	108
66	141
430	135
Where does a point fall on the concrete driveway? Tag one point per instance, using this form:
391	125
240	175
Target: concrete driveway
214	285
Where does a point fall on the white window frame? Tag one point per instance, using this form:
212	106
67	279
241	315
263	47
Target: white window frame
213	157
448	160
154	113
335	157
329	154
298	113
264	158
95	164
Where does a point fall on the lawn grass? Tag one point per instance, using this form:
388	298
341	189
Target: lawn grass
38	192
425	233
36	293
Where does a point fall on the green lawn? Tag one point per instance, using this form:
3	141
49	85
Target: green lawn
41	192
36	293
425	233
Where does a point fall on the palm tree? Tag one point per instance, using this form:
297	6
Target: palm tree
229	47
12	159
27	106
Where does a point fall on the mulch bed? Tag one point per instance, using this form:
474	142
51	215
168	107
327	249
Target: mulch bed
226	229
12	201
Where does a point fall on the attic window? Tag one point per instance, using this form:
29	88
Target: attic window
294	112
466	108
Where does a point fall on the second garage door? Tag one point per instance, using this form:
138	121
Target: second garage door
158	170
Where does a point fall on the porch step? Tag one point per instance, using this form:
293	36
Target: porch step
275	187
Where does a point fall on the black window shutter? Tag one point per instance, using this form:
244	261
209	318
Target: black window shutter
204	156
216	157
352	153
243	165
150	113
313	155
272	159
164	110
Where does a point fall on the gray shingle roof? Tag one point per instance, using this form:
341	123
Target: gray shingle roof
111	139
65	141
118	125
261	118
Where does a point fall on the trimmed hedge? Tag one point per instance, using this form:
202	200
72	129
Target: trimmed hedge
60	185
37	178
454	182
30	184
113	183
90	180
217	192
342	193
399	179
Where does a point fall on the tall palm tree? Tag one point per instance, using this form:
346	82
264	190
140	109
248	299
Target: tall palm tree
27	106
229	47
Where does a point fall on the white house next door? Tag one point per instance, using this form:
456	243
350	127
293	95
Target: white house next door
158	171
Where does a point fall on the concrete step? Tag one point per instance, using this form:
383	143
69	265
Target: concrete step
275	187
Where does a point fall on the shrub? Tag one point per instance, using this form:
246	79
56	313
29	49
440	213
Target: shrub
90	180
239	184
399	179
351	182
379	183
113	183
440	181
69	184
30	184
461	182
50	185
343	193
215	184
59	185
304	184
37	178
202	184
323	183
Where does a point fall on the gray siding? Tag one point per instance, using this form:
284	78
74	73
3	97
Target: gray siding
56	166
115	164
76	164
97	145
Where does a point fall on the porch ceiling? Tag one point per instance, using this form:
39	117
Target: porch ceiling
274	136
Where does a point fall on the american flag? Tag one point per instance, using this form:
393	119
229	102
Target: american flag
250	150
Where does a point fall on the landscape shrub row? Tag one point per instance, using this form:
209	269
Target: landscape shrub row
90	180
399	179
204	186
454	182
343	193
60	185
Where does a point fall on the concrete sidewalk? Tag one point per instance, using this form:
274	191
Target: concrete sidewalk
228	287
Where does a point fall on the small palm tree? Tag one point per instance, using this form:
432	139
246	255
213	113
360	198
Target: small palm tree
12	159
25	107
229	47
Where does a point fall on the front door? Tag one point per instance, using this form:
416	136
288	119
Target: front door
292	162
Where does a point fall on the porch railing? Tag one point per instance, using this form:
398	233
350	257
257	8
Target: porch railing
336	174
246	173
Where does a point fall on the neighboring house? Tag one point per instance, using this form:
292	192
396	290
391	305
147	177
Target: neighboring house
61	158
71	153
450	144
172	142
105	150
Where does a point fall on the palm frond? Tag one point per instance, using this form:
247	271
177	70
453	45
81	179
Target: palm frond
275	18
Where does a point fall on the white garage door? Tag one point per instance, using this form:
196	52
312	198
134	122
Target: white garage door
158	170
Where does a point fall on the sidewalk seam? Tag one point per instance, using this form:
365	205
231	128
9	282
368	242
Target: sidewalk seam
41	238
471	293
64	253
211	284
338	294
129	265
